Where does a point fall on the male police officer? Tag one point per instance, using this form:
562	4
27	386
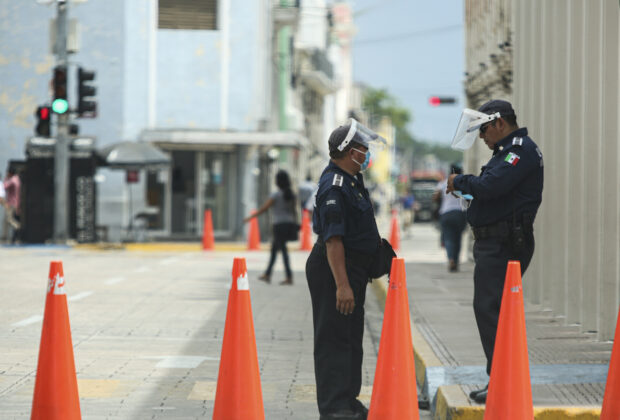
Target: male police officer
338	271
506	196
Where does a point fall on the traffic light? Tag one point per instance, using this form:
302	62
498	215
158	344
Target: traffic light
43	115
87	107
441	100
60	104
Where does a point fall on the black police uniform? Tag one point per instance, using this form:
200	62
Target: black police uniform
342	208
507	194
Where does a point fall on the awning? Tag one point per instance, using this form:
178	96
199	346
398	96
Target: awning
199	139
133	155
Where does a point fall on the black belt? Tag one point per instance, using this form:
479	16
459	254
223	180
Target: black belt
496	230
502	229
351	255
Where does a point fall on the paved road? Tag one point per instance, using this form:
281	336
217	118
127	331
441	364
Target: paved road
147	331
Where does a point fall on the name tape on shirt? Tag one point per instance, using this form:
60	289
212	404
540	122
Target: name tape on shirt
330	202
338	180
512	158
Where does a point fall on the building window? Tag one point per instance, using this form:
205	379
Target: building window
188	14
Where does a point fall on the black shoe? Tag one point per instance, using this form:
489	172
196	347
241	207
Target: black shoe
475	392
481	397
360	408
342	415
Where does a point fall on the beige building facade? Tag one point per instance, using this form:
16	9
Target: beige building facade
557	61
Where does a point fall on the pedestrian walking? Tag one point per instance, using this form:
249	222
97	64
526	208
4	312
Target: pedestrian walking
338	270
452	220
12	187
285	224
506	197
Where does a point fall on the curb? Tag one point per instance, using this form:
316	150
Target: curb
169	247
451	403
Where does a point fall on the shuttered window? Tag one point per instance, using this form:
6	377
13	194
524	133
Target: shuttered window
188	14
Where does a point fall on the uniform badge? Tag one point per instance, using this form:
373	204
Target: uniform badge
338	180
517	141
512	158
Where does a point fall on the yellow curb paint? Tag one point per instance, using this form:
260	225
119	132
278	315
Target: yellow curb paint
168	247
452	403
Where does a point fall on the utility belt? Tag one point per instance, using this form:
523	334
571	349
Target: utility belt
359	258
506	229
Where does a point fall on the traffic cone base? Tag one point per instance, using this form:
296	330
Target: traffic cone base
510	388
394	393
238	394
55	390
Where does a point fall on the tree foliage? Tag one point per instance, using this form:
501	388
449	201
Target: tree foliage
380	103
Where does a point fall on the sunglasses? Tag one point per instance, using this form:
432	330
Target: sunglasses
484	127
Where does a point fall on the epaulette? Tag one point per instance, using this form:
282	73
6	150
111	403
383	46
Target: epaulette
338	180
517	141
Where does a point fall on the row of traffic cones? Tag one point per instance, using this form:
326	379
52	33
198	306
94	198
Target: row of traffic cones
208	241
239	394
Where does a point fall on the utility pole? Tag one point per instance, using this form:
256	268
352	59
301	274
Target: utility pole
61	155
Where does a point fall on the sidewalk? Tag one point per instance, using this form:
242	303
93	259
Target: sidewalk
568	368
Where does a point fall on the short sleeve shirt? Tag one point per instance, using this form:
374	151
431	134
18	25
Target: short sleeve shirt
343	208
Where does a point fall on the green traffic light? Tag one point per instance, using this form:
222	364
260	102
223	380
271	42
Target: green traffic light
60	106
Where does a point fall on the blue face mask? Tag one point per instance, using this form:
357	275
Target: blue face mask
363	165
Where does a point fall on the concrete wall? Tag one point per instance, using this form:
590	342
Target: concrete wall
566	91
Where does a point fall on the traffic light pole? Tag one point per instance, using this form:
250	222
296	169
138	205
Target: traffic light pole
61	155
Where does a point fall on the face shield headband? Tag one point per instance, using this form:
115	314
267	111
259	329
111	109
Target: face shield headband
469	127
363	135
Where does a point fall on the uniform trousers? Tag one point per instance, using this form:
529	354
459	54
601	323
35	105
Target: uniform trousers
337	338
491	256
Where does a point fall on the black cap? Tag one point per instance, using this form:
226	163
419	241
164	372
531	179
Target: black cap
497	105
337	136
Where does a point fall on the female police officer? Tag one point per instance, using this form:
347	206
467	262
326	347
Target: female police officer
338	271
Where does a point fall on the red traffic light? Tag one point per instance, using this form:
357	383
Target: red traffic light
438	100
43	112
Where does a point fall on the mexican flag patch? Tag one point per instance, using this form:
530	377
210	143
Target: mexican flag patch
512	158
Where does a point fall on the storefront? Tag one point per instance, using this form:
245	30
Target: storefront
228	173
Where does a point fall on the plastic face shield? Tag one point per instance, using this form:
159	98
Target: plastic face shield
469	128
363	135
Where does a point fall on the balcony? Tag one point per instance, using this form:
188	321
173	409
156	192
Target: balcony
285	13
317	71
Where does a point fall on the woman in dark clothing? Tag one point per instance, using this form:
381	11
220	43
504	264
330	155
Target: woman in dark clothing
285	226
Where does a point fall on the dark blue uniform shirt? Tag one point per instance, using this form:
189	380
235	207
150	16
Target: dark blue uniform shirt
343	208
510	183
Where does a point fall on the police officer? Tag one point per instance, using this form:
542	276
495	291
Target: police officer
506	197
338	271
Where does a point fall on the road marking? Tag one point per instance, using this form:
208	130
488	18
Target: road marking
30	320
80	296
114	280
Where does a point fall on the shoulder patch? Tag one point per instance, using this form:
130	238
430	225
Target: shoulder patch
517	141
512	158
338	180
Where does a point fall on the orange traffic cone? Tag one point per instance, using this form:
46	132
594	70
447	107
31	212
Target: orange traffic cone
55	389
510	388
394	394
207	232
395	232
306	232
254	234
238	395
611	401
